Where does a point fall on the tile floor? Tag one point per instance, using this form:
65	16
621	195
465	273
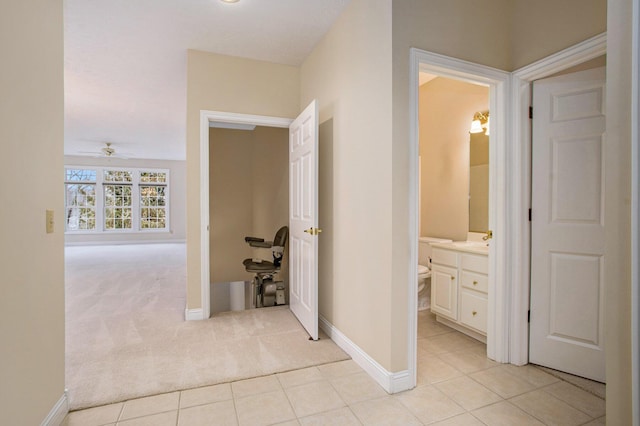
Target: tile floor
457	385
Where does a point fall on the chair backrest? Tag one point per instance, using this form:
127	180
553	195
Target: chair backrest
281	236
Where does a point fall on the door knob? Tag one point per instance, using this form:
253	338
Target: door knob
313	231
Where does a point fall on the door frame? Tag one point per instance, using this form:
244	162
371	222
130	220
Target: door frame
498	83
206	117
520	188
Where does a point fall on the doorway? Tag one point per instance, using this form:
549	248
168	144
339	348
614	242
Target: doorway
497	82
568	256
520	189
249	197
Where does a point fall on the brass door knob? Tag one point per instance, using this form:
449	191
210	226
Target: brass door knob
313	231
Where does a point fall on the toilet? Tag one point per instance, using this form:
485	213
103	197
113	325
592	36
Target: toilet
424	270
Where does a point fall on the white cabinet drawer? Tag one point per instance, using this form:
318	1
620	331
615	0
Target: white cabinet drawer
478	282
444	257
475	263
473	310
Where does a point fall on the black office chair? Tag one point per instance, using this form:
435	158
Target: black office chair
268	291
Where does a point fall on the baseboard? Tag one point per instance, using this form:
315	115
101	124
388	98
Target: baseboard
58	412
390	382
193	314
121	242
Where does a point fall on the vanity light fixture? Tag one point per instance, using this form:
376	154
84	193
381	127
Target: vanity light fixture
480	123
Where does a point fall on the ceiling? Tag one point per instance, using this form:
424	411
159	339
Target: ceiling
125	62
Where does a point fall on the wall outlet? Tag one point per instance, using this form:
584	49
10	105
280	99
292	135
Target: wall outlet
50	222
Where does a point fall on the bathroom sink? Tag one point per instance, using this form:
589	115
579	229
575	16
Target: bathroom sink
472	246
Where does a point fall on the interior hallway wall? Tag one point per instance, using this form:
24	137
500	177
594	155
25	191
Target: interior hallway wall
617	152
227	84
177	202
446	108
544	27
349	73
31	261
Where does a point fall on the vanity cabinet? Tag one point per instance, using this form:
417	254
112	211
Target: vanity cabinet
459	287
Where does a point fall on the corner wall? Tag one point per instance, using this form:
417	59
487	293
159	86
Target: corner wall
31	164
349	73
617	204
227	84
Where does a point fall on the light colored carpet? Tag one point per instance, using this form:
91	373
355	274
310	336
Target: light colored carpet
127	338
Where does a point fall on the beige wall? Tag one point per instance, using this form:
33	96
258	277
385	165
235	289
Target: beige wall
31	261
543	27
617	211
249	196
227	84
349	72
177	204
446	108
230	202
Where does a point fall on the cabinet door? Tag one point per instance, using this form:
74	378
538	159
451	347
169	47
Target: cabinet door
444	291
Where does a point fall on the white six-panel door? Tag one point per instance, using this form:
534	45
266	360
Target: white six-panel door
303	219
567	229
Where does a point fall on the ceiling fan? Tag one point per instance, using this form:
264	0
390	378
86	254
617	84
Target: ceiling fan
107	152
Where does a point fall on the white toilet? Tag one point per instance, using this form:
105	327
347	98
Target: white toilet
424	270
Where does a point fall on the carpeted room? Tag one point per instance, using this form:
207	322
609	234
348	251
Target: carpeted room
127	337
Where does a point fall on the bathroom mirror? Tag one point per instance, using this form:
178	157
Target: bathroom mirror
479	182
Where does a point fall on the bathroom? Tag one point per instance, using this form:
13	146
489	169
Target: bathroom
453	205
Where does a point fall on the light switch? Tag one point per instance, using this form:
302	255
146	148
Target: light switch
49	221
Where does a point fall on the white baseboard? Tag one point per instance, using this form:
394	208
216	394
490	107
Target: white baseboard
58	412
390	382
193	314
121	242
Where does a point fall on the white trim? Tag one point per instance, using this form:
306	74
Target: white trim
194	314
390	382
519	158
498	83
222	117
635	215
58	412
122	243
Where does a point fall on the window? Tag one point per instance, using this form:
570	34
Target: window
118	208
114	199
80	199
153	200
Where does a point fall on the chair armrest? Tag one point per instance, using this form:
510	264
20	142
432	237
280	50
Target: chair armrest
253	239
261	244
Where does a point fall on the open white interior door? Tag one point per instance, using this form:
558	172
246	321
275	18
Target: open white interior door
567	228
303	219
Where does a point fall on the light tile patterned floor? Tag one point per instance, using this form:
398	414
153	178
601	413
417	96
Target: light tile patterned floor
457	385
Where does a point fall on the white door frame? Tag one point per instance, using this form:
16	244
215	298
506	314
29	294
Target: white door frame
498	82
207	117
520	180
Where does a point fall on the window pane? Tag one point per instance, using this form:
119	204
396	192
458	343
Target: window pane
158	177
80	175
117	176
80	203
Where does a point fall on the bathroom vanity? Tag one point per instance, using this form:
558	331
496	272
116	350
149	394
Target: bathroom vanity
459	286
